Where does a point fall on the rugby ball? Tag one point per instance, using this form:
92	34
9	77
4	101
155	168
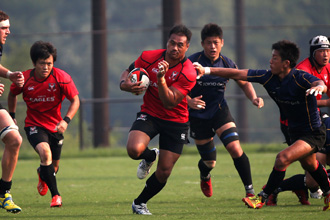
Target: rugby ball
139	74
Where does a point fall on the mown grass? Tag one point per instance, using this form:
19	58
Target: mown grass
102	183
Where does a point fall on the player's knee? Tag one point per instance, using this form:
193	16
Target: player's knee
229	136
282	161
210	163
11	137
134	151
207	151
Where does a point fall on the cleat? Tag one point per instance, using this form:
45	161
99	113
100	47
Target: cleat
302	196
42	186
316	195
249	195
206	187
326	202
272	200
140	209
56	201
254	202
8	204
144	166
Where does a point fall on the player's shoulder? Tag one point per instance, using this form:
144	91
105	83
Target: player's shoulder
195	56
151	55
188	69
61	75
228	62
304	64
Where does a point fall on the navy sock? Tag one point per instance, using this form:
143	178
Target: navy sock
242	165
148	155
274	180
152	187
47	174
5	187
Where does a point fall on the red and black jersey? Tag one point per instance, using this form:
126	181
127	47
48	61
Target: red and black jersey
44	97
324	75
181	76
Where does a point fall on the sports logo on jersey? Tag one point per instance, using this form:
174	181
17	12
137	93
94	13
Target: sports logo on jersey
51	87
174	75
183	136
30	88
33	130
142	117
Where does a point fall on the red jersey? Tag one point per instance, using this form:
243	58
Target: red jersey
44	97
181	76
323	75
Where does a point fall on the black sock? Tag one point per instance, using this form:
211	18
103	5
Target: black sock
152	187
242	165
296	182
274	180
47	174
321	177
148	155
204	170
5	187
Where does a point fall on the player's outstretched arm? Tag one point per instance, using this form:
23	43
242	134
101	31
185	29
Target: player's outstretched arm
232	73
16	77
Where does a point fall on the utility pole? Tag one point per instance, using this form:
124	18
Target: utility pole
242	121
171	17
100	74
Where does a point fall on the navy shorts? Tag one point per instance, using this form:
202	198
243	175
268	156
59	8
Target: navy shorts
205	128
316	139
37	135
172	135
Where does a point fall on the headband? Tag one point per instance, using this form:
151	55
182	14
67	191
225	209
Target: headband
4	23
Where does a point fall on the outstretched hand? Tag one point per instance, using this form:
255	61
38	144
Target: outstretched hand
316	90
200	69
17	77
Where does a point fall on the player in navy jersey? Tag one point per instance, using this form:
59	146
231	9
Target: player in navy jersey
9	133
44	90
164	111
318	65
294	91
209	113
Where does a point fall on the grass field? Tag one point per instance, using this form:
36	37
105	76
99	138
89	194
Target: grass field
101	184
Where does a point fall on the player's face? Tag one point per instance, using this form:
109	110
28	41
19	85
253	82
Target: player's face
277	65
322	56
212	47
43	67
4	32
177	47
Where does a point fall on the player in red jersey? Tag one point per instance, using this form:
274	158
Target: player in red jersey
164	111
9	133
44	90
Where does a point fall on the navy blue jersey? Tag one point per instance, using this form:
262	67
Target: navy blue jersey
290	96
212	88
327	142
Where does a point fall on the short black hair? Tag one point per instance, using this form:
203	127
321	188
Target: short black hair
181	29
288	51
42	50
211	30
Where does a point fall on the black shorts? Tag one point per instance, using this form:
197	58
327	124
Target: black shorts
205	128
316	139
37	135
172	135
